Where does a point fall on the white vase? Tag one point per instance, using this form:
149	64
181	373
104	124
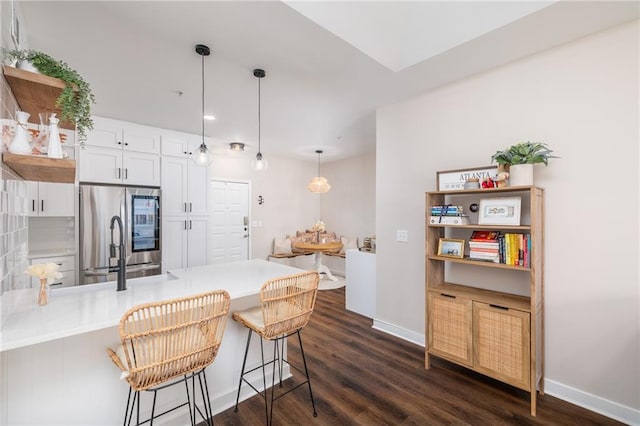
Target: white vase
521	175
55	147
20	144
27	66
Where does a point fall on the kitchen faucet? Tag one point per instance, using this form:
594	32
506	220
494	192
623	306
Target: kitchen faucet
122	266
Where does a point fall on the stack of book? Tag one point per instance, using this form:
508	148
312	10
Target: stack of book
516	250
448	215
485	245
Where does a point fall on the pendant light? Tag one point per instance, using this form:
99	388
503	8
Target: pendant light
203	154
259	163
319	184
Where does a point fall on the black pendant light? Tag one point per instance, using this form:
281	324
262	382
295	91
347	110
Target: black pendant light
203	154
259	163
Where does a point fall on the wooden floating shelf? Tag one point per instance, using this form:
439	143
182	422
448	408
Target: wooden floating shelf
487	264
41	168
36	93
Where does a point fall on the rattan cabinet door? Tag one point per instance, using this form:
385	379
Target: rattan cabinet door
501	343
449	334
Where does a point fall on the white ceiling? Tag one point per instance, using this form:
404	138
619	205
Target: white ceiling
329	64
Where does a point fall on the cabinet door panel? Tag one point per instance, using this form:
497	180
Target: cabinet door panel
198	233
175	146
106	133
174	244
33	199
56	199
198	191
501	343
100	165
141	139
174	186
449	331
141	169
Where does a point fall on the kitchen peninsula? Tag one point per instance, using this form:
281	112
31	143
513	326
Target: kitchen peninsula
55	355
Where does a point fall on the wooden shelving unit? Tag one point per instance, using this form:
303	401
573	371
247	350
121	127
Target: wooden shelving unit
41	168
495	333
35	93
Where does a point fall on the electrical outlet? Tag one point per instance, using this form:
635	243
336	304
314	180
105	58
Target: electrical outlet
402	235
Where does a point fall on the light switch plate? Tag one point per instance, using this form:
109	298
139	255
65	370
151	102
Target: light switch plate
402	235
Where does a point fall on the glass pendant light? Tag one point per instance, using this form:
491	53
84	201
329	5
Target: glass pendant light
202	155
319	184
259	163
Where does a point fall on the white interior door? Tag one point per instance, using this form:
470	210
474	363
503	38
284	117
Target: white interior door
229	221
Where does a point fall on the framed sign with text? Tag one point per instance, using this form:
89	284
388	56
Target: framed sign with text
453	180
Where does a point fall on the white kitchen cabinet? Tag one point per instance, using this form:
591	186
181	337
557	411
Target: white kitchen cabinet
184	242
361	282
184	187
115	134
105	165
50	199
66	266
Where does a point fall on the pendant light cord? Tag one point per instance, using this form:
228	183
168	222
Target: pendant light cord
202	99
259	129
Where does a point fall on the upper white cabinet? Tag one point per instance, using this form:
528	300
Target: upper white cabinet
50	199
104	165
115	134
118	152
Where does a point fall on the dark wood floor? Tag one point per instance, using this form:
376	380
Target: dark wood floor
361	376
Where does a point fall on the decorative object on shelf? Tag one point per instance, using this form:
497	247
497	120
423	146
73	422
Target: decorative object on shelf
203	155
519	159
473	207
236	146
75	99
319	184
449	247
500	211
20	144
54	149
500	180
454	180
259	163
46	272
472	183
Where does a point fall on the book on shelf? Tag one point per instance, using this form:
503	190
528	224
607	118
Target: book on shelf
507	248
481	236
449	220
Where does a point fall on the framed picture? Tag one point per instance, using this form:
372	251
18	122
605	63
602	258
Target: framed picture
499	211
449	247
453	180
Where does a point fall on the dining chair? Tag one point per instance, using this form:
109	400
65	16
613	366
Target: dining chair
286	303
167	343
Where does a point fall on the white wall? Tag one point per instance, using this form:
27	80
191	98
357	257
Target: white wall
349	207
582	99
288	205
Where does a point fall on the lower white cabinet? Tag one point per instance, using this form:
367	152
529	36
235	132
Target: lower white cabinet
184	242
50	199
66	266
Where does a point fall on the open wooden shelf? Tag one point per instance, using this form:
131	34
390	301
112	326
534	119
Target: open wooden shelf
41	168
36	93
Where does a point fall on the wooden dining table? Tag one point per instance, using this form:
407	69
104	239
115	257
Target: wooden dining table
319	249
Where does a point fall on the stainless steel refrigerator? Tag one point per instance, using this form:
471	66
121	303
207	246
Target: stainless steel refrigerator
139	209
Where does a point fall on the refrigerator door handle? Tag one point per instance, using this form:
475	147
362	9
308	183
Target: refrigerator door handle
146	267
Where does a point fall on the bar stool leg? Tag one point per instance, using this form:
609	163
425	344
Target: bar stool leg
306	372
264	383
206	387
244	363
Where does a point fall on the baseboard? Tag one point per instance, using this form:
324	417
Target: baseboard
402	333
591	402
575	396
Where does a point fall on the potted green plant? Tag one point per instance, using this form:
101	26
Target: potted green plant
519	159
75	106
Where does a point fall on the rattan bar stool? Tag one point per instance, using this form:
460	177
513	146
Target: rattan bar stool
286	304
167	343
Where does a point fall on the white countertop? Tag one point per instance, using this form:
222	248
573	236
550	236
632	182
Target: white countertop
77	310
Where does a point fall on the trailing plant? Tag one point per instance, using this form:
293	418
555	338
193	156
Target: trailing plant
75	106
524	153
